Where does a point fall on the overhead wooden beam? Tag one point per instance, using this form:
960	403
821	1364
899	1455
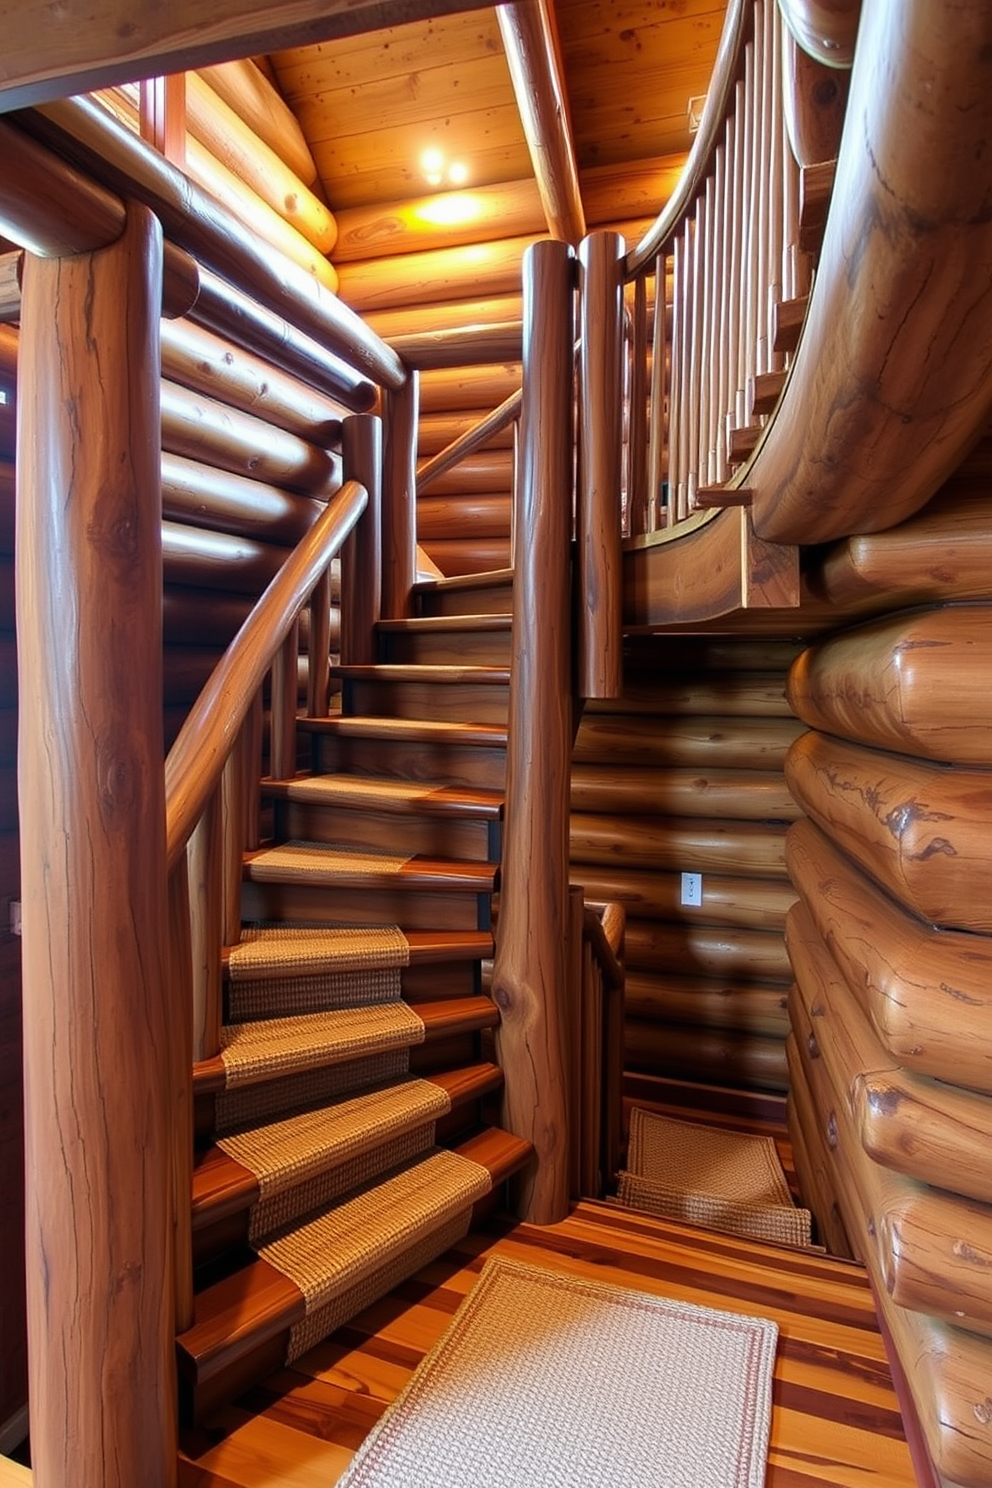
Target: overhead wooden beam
87	44
531	46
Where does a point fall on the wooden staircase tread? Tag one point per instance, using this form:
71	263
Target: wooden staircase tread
223	1186
416	671
439	1019
322	863
376	793
416	731
492	579
257	1302
434	946
443	624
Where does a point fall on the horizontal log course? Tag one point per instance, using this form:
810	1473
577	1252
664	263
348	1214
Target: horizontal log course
709	743
200	428
217	560
438	430
690	846
714	1057
197	359
745	957
727	695
484	213
922	830
457	315
245	88
932	1249
462	518
203	496
469	555
436	274
489	470
707	1004
750	903
193	616
734	795
916	684
927	993
943	552
925	1129
691	655
453	389
471	345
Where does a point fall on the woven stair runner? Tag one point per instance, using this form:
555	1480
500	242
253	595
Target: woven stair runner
334	1257
300	1090
253	1052
708	1176
294	862
305	1160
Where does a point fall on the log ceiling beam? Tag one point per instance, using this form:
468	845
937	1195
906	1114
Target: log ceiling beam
531	45
85	44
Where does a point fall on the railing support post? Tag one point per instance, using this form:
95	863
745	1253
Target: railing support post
529	976
100	1036
399	498
361	556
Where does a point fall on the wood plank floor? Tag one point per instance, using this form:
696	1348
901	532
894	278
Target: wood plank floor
835	1417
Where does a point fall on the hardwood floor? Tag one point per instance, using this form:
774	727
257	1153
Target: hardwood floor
835	1417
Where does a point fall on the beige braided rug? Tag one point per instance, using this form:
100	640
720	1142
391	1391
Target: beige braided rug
543	1379
708	1176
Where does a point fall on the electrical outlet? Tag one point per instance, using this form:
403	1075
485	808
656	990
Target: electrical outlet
692	890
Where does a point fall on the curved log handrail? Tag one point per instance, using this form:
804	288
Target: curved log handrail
825	29
603	925
726	70
209	734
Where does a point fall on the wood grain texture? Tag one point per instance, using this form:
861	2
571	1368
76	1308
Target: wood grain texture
915	683
529	972
246	89
100	1109
921	830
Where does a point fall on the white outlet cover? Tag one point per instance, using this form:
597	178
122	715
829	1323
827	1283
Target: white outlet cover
692	889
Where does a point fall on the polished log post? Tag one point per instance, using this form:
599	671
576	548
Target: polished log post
399	498
99	1114
600	637
529	972
361	556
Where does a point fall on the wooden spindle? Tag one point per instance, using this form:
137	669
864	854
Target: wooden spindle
101	1109
319	648
753	256
285	698
776	189
361	556
763	11
696	355
233	795
204	855
181	990
707	410
529	971
399	499
600	637
676	386
728	301
659	397
637	436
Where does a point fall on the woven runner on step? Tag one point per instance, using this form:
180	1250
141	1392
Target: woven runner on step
545	1379
261	1051
246	1105
295	995
709	1176
336	1251
295	861
265	951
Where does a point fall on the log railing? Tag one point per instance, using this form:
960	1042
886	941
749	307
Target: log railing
596	1047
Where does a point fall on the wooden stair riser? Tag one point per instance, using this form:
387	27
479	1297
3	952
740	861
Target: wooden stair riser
451	646
333	905
402	759
432	836
491	594
464	703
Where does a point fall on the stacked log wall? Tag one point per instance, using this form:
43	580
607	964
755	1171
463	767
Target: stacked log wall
13	1327
890	1054
684	775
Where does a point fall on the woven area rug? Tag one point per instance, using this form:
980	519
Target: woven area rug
544	1379
708	1176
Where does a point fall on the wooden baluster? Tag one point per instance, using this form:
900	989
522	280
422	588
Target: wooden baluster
776	188
529	971
659	395
753	259
714	338
319	647
234	794
746	196
205	856
361	556
576	1014
101	1107
399	499
600	638
705	332
765	89
696	355
285	700
162	113
182	973
251	744
735	327
728	328
637	413
676	386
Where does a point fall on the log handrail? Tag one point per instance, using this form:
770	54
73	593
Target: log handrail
603	926
467	443
196	759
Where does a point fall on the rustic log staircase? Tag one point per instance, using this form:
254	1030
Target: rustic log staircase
350	1111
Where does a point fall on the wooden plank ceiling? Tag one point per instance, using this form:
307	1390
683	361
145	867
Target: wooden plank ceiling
371	105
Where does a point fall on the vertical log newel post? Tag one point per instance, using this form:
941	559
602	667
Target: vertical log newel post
600	634
530	965
361	556
399	498
97	1026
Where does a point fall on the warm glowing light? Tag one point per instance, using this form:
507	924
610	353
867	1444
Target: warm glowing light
433	178
451	210
458	173
432	163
